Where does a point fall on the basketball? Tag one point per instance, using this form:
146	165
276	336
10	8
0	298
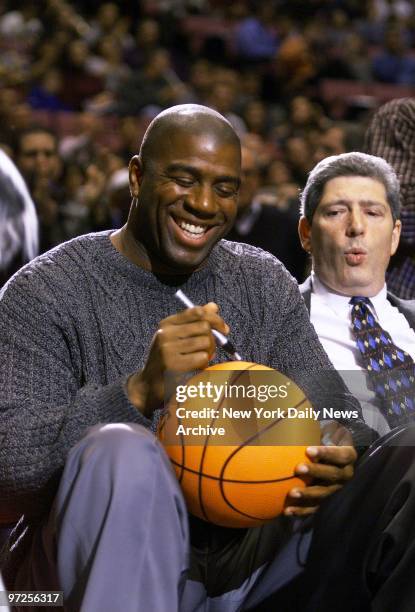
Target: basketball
232	445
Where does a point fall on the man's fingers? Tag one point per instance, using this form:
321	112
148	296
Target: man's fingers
311	495
211	307
176	332
198	313
334	455
331	467
197	360
327	473
193	361
302	502
299	511
186	346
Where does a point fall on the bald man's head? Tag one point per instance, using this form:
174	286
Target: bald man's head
185	185
193	119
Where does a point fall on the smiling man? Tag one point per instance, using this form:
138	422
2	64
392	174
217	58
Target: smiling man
88	332
185	184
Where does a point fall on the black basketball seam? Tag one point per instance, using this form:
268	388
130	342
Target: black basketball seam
237	373
221	480
231	480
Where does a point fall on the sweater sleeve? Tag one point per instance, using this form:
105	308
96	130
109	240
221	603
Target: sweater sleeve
45	406
297	352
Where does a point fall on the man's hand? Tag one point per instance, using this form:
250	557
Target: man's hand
334	468
183	343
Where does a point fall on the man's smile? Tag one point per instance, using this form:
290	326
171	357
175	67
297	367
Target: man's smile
192	233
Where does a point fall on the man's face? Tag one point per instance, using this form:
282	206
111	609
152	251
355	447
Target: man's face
38	157
352	235
187	199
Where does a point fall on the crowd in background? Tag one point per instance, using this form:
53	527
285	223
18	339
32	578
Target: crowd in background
81	80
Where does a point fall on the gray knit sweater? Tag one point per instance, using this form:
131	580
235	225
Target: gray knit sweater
79	319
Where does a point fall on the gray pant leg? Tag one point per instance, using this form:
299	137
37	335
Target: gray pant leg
121	524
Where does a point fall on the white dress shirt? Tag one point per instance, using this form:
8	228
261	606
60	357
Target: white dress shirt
330	315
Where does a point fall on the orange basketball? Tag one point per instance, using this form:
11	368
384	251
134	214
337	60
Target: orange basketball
234	451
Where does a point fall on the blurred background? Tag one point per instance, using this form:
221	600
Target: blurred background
299	80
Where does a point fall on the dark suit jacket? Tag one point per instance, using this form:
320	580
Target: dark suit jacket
406	307
275	231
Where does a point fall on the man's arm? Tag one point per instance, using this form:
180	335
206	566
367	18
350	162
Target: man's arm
46	404
182	343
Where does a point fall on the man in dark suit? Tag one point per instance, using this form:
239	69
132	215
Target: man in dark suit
264	225
350	225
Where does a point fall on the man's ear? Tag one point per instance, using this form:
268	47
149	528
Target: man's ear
135	170
396	234
304	231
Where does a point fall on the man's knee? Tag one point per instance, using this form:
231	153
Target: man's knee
119	441
121	454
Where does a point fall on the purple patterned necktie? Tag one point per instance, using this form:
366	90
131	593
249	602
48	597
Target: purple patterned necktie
391	370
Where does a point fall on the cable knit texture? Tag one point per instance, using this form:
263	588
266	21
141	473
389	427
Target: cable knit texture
79	319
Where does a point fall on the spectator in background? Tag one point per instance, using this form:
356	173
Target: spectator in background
79	82
118	193
9	98
82	147
200	79
385	9
155	87
264	225
15	115
391	135
256	118
304	115
222	98
250	85
256	36
38	160
47	56
356	54
46	94
131	132
330	141
108	65
103	24
298	154
295	66
278	172
147	40
394	64
18	221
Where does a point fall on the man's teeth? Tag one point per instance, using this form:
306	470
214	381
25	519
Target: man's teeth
197	230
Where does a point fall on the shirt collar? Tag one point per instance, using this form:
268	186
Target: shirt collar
340	303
